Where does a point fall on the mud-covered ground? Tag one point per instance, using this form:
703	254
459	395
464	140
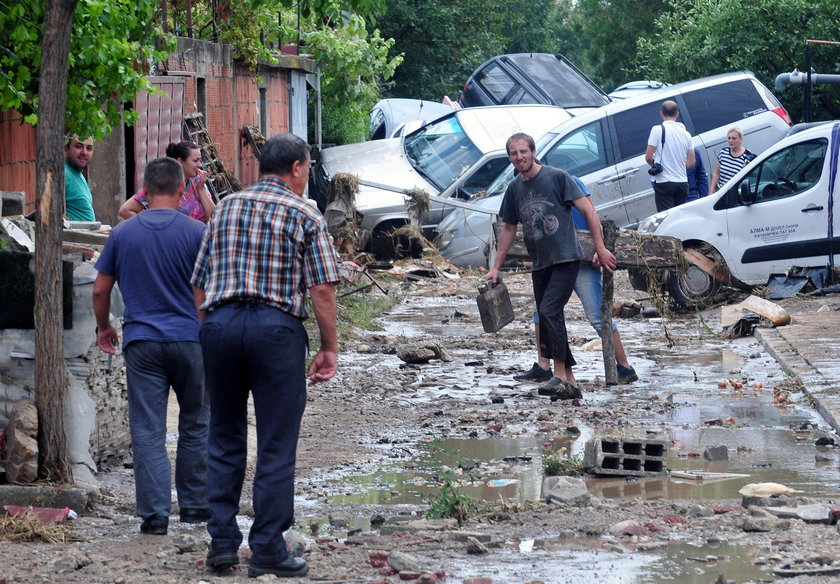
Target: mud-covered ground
366	476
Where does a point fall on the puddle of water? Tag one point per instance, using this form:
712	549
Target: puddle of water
683	563
510	469
433	317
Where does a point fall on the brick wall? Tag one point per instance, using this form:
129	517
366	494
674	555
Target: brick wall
17	157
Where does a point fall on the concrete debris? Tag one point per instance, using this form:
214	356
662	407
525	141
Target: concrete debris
475	547
716	453
403	562
22	443
563	490
422	353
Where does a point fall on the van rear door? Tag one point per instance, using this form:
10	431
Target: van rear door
740	103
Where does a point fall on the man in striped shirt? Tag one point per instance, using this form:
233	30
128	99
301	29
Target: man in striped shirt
264	247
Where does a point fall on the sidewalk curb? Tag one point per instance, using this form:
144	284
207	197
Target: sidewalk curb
803	353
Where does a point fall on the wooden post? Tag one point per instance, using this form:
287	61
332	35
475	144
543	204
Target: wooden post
608	348
50	382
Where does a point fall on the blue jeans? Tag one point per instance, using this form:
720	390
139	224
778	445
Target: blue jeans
250	347
151	368
588	289
552	289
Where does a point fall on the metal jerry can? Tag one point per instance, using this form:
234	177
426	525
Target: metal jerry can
494	306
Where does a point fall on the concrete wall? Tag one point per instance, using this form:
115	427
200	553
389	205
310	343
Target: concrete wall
96	406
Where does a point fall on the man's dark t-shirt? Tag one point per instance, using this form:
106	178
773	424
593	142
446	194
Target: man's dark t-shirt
544	207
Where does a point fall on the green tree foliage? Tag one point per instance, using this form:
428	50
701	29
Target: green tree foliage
354	62
112	43
443	42
767	37
608	30
355	66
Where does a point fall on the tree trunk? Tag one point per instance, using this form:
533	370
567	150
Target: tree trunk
49	346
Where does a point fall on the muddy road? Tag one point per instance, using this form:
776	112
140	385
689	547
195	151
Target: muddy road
384	440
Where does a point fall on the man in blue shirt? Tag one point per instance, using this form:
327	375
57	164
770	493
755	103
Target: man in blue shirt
78	201
698	180
152	256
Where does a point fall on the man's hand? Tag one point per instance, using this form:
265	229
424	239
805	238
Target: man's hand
605	259
323	366
492	276
107	339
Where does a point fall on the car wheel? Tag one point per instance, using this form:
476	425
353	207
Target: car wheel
388	246
692	288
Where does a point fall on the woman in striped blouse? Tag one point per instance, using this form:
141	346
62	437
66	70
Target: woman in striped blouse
731	159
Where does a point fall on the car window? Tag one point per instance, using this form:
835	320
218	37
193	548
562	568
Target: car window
581	152
558	79
632	127
724	104
377	125
792	170
441	152
496	82
482	178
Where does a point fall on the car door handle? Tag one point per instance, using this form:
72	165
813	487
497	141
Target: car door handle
630	172
812	207
610	179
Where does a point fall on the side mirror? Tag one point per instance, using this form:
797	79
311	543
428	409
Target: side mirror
745	194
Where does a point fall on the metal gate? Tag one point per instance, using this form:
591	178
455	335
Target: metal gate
161	122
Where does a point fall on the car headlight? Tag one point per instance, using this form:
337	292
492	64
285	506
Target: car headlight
652	223
444	239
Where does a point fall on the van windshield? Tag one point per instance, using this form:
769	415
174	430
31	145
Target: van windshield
441	152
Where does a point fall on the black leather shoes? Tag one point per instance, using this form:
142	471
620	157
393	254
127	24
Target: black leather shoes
288	568
155	525
195	515
221	560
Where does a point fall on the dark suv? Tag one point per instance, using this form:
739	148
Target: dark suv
531	78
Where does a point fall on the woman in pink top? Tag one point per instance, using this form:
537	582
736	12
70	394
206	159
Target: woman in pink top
196	201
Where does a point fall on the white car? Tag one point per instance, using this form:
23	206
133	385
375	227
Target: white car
778	212
455	156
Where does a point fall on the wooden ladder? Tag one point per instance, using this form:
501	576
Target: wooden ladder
220	182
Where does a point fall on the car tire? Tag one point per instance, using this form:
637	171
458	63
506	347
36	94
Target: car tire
692	288
386	246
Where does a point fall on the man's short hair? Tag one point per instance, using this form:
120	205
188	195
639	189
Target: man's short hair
163	176
280	152
670	109
520	136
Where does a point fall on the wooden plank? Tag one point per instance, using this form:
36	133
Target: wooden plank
632	249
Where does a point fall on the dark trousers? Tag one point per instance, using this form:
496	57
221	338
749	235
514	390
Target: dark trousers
669	194
151	368
257	348
553	287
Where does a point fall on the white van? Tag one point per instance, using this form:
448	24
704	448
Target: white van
776	213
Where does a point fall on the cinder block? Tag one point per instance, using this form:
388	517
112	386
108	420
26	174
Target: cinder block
625	456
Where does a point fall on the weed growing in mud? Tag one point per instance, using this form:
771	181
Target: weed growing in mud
450	501
556	464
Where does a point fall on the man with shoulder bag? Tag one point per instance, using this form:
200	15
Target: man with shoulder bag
669	153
